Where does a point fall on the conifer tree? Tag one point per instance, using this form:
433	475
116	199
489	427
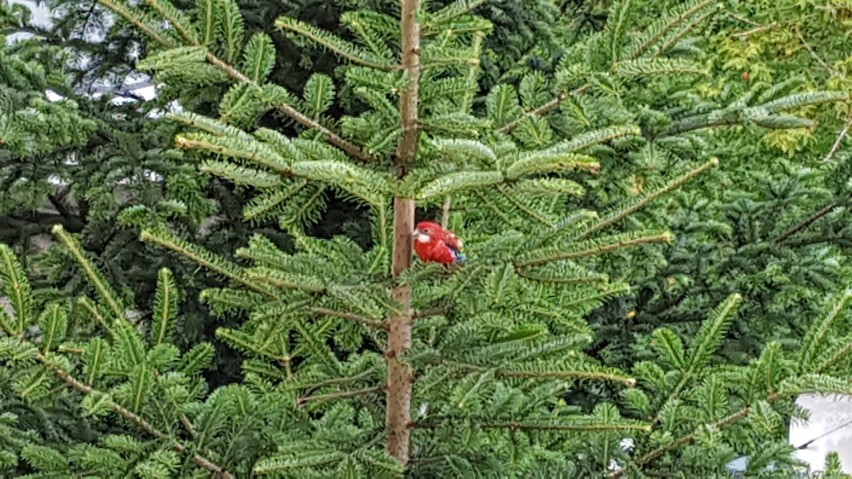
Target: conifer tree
100	50
363	363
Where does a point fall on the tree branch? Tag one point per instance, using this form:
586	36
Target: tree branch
697	122
835	358
348	379
351	317
562	280
445	211
429	312
342	394
123	13
541	427
30	223
673	185
660	238
565	374
218	471
354	150
626	380
551	105
831	206
757	29
839	141
807	222
813	53
176	24
333	138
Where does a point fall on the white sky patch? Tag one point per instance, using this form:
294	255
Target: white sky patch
40	16
828	429
53	96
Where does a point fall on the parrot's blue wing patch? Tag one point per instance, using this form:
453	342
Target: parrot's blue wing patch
461	258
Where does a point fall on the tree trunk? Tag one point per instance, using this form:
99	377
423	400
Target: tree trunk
400	379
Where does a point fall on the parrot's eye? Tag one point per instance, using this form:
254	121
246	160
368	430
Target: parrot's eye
423	235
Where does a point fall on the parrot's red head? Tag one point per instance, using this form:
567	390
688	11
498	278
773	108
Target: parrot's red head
427	232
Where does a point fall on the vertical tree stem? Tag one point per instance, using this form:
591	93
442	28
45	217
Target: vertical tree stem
399	383
445	211
400	378
406	149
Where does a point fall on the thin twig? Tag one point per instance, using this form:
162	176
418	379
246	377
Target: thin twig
752	31
429	312
813	53
561	280
175	23
86	21
807	443
835	357
676	22
829	158
564	374
529	211
295	114
743	19
807	222
674	39
218	471
551	105
122	12
445	211
628	381
348	379
677	183
351	317
467	8
539	427
660	238
299	30
831	206
342	394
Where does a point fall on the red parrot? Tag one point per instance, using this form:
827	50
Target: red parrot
434	244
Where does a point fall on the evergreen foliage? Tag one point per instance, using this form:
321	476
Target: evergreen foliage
36	134
118	159
774	225
353	350
97	155
149	414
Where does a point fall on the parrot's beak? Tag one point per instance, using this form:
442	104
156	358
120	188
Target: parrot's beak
420	236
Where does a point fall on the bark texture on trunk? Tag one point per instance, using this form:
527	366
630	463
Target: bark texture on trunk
406	149
400	379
